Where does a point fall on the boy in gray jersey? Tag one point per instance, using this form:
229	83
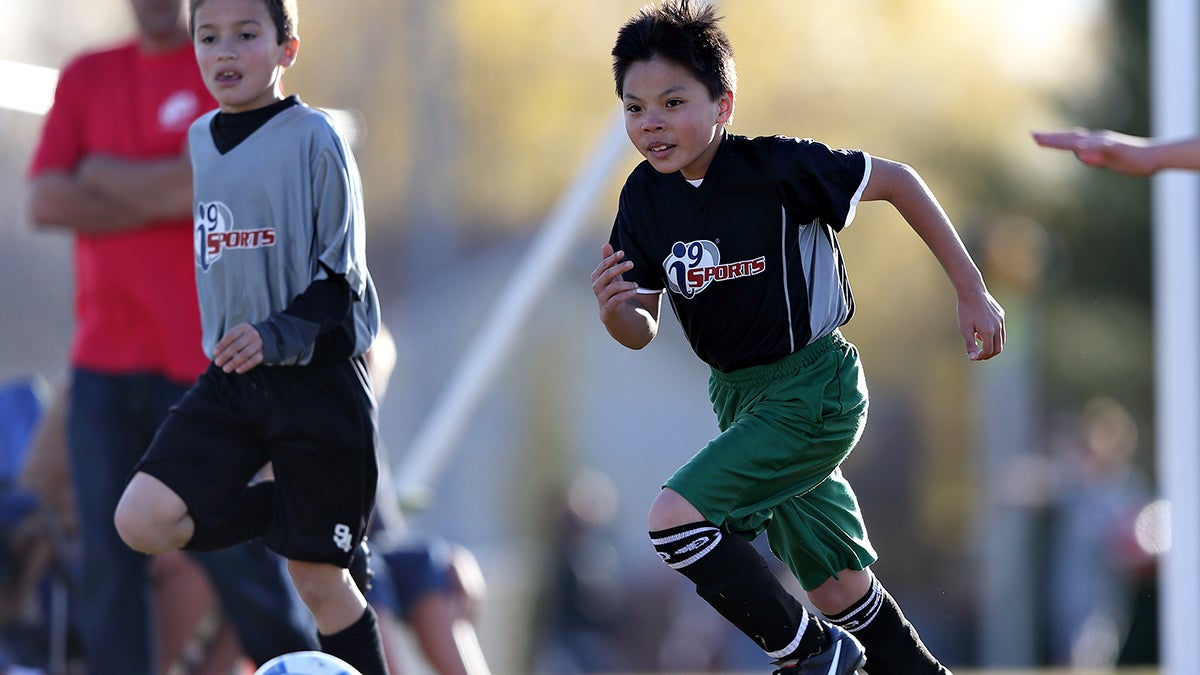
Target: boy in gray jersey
288	309
740	234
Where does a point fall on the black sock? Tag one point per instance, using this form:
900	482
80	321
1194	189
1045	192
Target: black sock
359	645
890	641
732	576
247	520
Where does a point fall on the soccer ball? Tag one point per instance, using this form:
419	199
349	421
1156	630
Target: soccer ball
306	663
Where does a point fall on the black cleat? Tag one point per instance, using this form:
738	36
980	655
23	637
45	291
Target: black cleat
360	567
842	656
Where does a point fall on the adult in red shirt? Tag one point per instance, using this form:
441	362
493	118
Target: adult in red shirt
112	168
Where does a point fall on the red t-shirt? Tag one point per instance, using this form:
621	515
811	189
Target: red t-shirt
135	300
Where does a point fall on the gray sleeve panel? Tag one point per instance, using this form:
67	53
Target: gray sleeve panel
340	220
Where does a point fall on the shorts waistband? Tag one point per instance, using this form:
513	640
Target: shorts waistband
790	364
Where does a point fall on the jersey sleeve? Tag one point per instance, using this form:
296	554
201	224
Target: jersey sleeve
61	146
817	182
626	236
340	219
291	334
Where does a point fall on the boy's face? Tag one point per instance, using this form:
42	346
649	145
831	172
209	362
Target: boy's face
238	53
671	119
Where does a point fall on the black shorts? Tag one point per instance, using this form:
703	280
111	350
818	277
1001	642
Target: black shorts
315	424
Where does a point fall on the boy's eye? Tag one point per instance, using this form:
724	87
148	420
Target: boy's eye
206	39
247	36
671	103
633	108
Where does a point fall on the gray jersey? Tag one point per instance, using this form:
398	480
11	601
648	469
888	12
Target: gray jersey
271	215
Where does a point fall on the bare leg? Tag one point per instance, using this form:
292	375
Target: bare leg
224	654
329	593
183	598
389	630
447	640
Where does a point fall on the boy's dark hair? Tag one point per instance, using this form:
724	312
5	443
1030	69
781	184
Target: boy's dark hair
683	32
283	13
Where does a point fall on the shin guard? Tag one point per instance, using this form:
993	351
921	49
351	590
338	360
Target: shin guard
733	577
889	638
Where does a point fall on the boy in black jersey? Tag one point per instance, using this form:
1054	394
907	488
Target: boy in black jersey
740	233
288	310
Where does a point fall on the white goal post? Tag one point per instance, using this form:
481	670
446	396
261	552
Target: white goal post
1175	79
434	442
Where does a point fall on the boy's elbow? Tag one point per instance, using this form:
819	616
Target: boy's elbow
637	344
900	175
892	181
636	340
634	326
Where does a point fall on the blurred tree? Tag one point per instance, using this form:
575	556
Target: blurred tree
1098	336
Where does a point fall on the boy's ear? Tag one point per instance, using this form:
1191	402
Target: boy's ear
725	107
291	49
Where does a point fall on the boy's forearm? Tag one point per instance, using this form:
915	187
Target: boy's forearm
322	307
921	210
633	326
943	241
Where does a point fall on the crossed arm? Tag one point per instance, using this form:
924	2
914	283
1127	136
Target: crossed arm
108	194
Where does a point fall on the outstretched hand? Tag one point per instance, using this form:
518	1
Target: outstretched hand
981	322
1102	149
239	350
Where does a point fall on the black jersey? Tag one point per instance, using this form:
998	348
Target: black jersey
750	258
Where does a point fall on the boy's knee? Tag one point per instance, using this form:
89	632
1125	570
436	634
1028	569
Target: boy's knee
150	518
135	530
670	509
836	595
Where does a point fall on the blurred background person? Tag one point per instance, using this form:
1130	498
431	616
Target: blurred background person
1094	558
422	582
579	616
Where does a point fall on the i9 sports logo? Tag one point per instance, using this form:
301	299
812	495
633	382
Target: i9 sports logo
214	233
693	266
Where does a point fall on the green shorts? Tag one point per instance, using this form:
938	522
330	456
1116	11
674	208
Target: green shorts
785	429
